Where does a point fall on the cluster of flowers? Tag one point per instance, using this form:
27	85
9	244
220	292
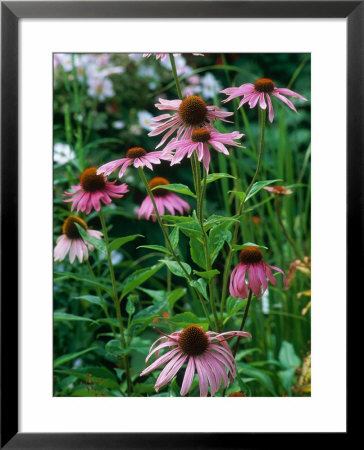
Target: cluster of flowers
95	69
191	120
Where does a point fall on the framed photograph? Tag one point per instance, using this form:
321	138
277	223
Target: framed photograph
180	182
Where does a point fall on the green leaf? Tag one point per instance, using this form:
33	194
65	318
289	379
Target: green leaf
176	269
218	235
179	188
119	242
188	318
287	356
258	186
200	285
262	376
70	356
243	386
216	176
233	305
174	237
130	304
84	280
287	379
90	299
144	317
240	194
158	248
97	376
198	253
175	295
139	277
248	244
59	316
97	243
191	229
207	274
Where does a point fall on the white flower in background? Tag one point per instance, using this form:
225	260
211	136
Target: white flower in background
210	86
63	59
147	71
191	90
62	153
144	118
265	302
116	257
135	129
100	88
181	66
118	124
136	56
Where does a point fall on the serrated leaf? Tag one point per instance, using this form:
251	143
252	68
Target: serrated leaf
70	356
258	186
174	237
99	244
179	188
130	304
218	235
200	285
176	269
287	356
237	247
158	248
198	253
208	274
59	316
139	277
216	176
90	299
119	242
185	319
84	280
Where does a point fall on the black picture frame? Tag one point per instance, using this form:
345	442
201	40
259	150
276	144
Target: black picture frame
11	12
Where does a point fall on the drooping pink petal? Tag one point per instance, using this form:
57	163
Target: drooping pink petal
188	377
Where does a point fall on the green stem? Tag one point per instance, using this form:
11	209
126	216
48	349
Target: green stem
277	203
99	293
116	301
250	295
200	197
174	70
170	247
241	208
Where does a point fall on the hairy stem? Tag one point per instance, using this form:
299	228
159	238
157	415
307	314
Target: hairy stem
116	301
240	210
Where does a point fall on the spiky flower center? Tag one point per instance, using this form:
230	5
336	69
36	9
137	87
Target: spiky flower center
135	152
201	135
69	228
193	340
251	255
236	394
193	110
92	182
159	181
264	85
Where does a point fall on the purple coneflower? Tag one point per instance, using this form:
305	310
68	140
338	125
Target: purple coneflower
72	242
190	113
93	188
253	269
136	156
164	199
204	352
261	92
198	142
